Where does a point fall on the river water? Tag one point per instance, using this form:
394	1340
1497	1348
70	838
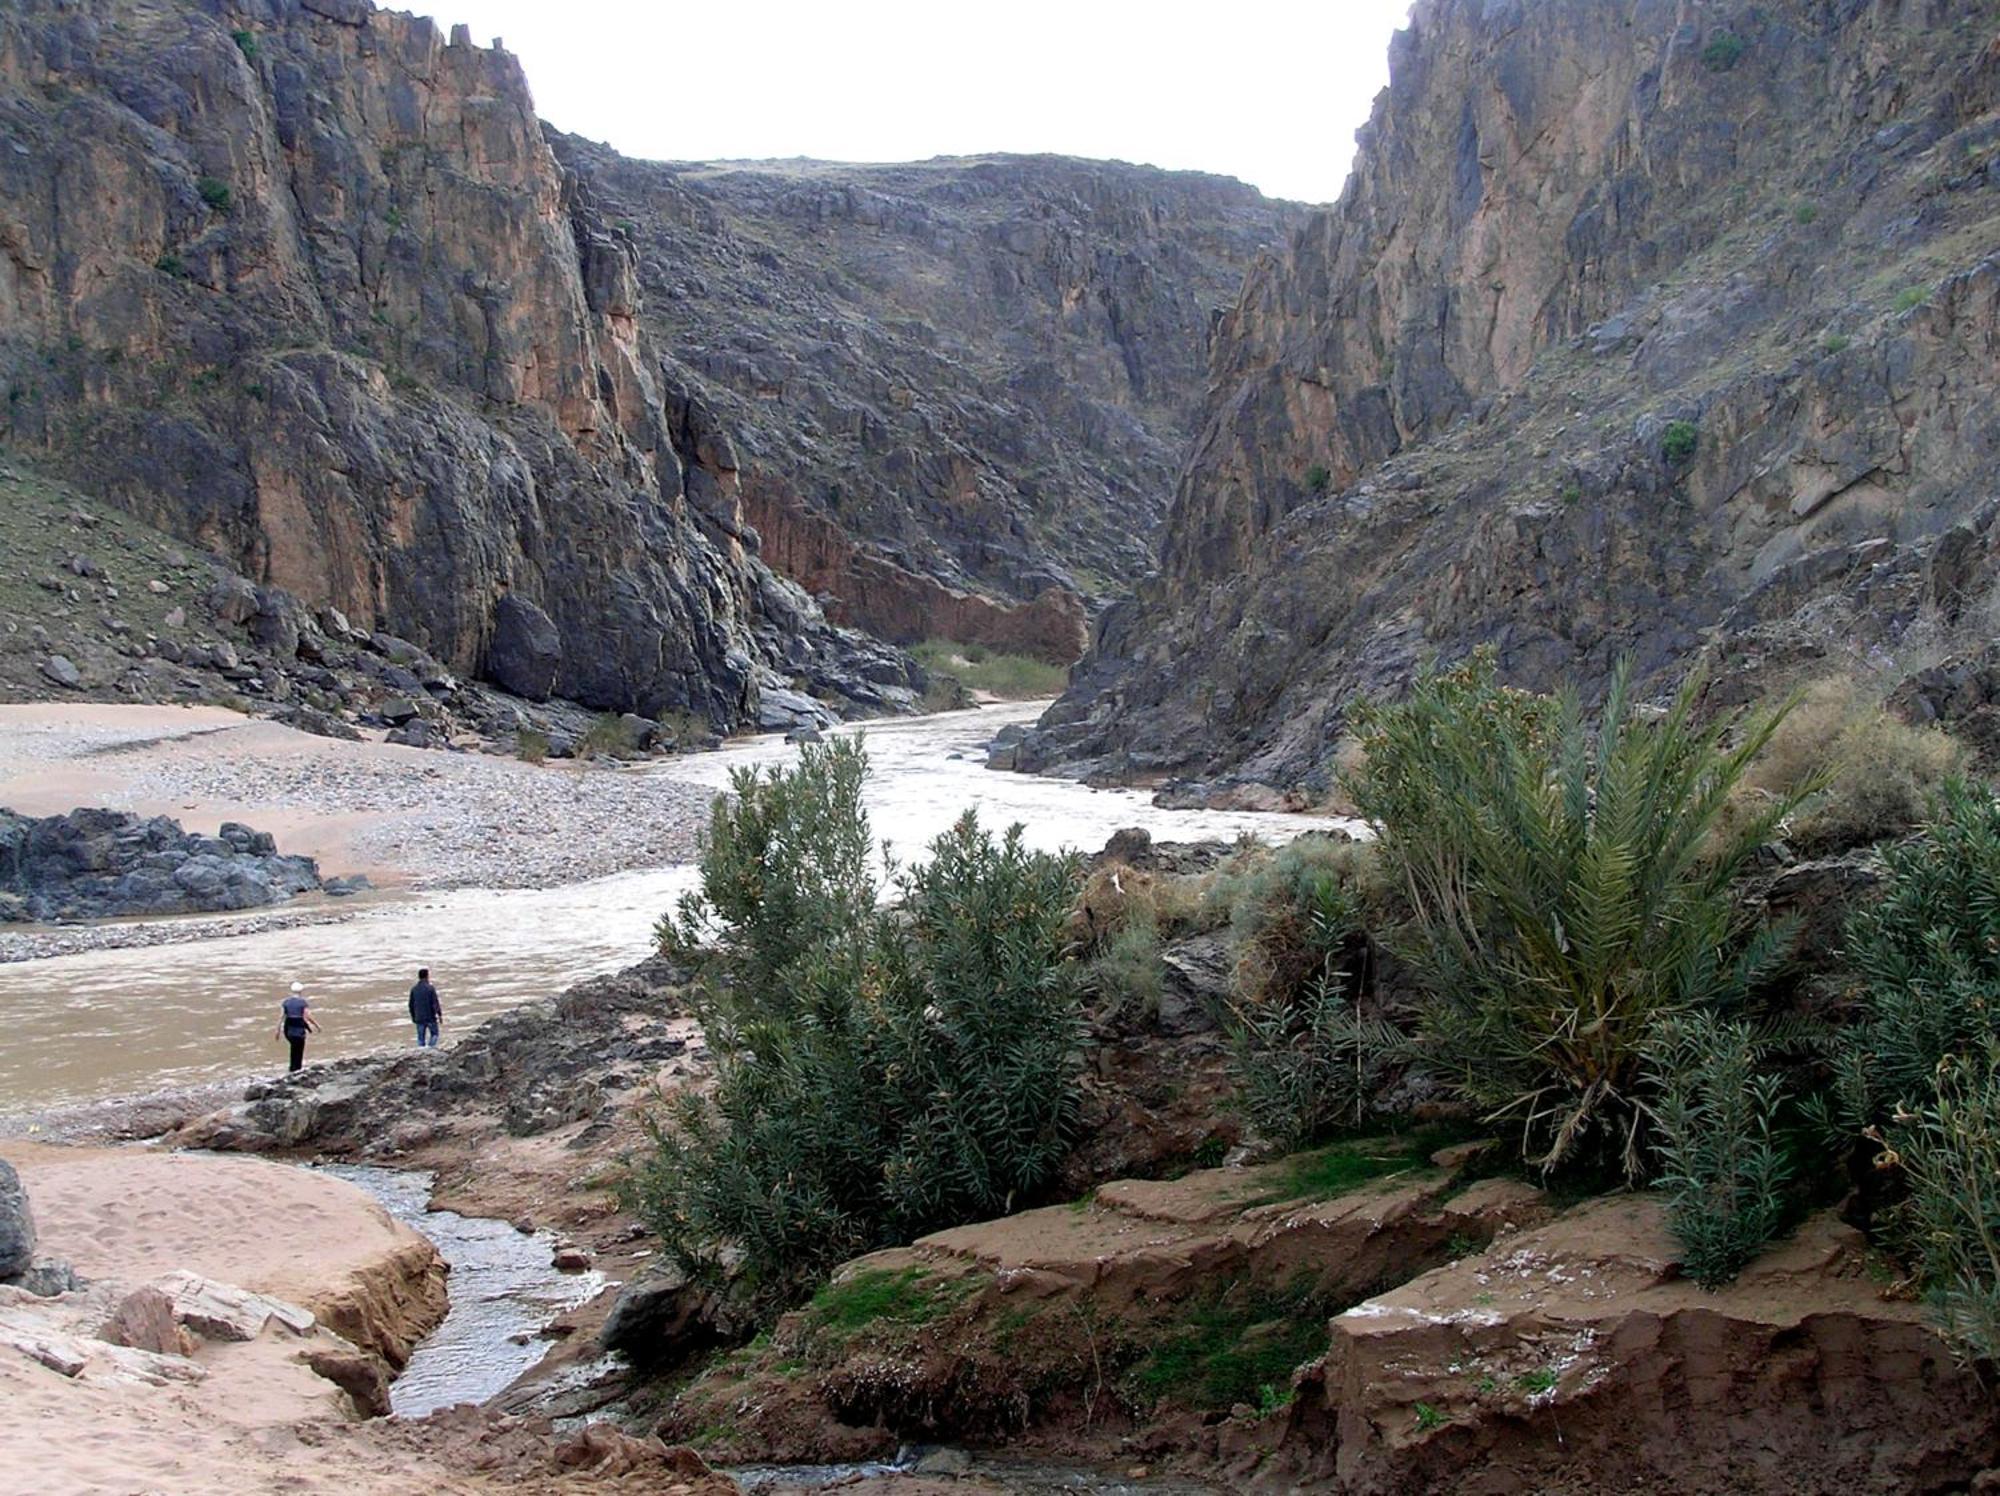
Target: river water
110	1023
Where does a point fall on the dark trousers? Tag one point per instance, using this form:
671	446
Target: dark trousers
298	1043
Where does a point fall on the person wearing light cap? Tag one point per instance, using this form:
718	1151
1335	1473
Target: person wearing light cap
297	1022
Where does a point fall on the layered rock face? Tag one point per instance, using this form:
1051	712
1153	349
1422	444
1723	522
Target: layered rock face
301	281
1641	330
952	394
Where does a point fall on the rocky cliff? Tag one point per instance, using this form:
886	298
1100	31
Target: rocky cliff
954	392
1653	329
308	284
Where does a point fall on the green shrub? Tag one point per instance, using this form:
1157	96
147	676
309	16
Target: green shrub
531	744
1926	955
215	192
1724	50
1309	1065
1679	443
1805	215
1572	492
1319	478
608	736
878	1074
1915	1073
1726	1177
1950	1152
1912	296
784	868
965	668
1304	1059
1569	890
169	263
1838	342
1126	974
246	43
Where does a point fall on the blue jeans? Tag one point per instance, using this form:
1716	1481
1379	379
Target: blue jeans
427	1036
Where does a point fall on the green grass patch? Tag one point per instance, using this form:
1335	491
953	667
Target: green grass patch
903	1296
1340	1168
1240	1346
975	667
1912	296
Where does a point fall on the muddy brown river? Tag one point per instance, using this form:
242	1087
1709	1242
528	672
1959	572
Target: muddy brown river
122	1022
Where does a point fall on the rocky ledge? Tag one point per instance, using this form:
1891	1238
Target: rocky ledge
104	864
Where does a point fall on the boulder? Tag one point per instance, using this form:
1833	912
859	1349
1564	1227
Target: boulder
663	1319
232	600
222	1311
363	1377
144	1320
17	1224
1195	991
525	650
62	672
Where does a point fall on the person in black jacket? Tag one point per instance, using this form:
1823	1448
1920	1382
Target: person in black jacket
426	1012
295	1022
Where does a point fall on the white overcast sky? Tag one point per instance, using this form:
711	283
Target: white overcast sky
1267	90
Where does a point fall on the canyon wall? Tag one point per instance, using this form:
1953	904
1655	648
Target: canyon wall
1654	329
956	388
308	284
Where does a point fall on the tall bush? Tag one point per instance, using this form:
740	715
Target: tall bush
1727	1180
1918	1072
1570	889
880	1073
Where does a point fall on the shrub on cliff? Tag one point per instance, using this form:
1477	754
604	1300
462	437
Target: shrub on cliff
1570	888
1917	1074
1859	774
880	1074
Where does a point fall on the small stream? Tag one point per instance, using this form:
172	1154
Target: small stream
503	1293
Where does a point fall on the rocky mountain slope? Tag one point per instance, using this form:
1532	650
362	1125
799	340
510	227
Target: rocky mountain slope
304	283
1652	329
955	376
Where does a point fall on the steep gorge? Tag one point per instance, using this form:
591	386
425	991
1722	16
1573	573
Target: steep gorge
308	284
1582	238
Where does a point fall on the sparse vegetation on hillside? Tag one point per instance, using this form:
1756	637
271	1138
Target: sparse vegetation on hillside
1679	443
1722	51
976	668
215	192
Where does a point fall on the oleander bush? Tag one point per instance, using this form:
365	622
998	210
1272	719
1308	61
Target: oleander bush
880	1073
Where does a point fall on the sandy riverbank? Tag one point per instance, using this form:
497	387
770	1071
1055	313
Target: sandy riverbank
404	817
245	1416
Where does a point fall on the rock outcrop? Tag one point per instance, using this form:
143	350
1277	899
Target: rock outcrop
949	396
302	283
1574	1357
306	284
1641	330
104	864
17	1224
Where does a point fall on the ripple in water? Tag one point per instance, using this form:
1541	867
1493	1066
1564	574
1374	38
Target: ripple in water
503	1292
